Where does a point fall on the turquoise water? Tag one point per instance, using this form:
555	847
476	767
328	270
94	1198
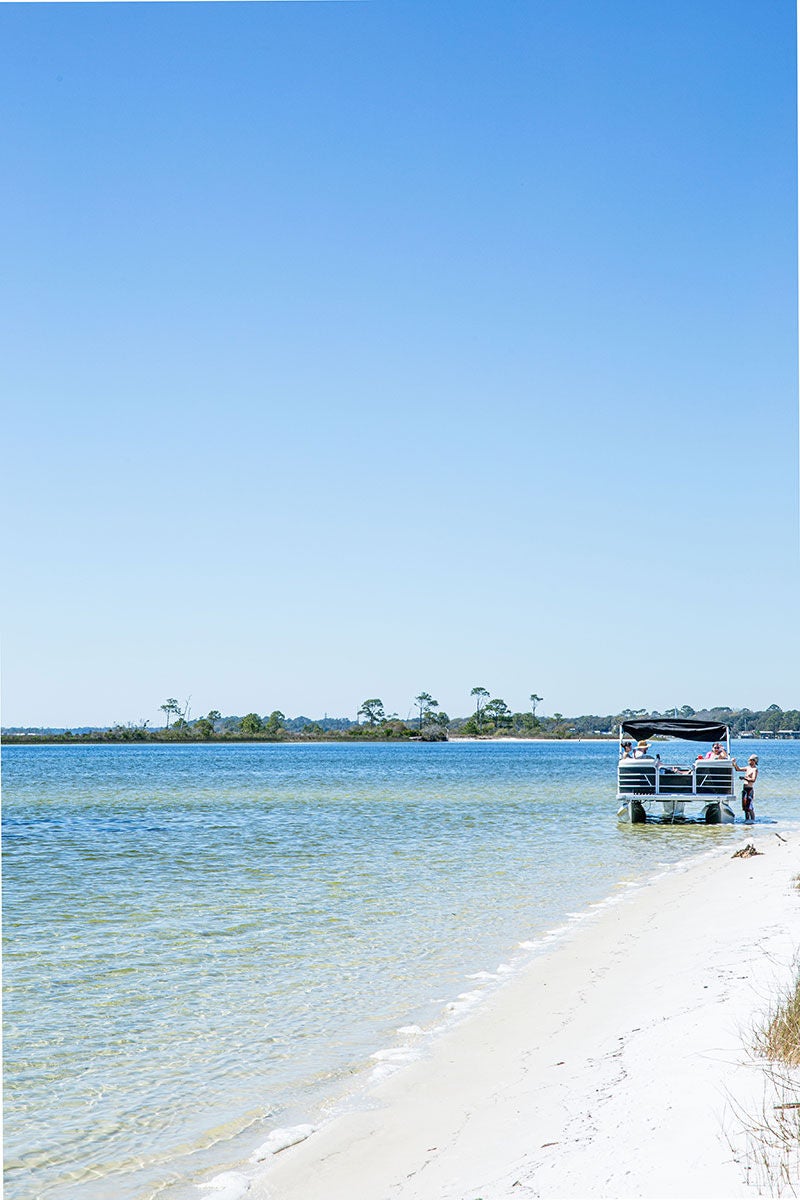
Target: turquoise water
203	943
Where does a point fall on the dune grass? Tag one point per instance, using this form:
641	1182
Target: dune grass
773	1134
780	1039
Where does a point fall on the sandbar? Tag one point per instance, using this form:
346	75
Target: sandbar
617	1064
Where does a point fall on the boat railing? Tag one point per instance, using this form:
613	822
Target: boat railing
651	777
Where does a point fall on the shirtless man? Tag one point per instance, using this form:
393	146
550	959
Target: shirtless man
748	784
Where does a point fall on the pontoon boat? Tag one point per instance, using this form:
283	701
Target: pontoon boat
664	789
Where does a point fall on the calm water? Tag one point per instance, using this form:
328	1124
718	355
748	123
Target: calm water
203	943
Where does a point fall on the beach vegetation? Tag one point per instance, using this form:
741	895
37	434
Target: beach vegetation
771	1133
779	1041
391	728
435	727
125	733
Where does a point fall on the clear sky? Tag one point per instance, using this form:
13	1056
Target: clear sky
359	349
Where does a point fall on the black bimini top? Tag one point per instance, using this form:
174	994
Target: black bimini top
679	727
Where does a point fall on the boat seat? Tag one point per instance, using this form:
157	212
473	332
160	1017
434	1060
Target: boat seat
714	777
637	776
675	779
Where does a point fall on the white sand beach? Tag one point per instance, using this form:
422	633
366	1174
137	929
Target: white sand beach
618	1064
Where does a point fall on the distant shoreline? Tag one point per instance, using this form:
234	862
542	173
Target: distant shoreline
35	739
492	722
23	739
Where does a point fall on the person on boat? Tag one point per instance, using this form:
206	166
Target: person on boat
626	750
642	750
750	773
715	753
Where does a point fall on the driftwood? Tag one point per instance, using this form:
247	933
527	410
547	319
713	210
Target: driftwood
746	851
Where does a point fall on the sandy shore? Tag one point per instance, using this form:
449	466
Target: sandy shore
616	1065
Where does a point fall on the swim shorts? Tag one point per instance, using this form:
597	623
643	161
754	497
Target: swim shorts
747	800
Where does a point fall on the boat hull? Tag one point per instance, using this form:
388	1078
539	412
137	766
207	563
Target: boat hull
709	811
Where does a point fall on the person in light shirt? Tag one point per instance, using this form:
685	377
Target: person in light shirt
750	773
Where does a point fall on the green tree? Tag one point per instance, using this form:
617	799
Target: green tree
435	727
252	723
480	694
171	708
372	711
534	701
498	713
772	718
275	722
425	702
204	727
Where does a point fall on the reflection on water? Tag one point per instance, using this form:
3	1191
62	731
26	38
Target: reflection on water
202	941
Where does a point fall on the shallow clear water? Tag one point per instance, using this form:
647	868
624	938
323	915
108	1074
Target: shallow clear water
205	942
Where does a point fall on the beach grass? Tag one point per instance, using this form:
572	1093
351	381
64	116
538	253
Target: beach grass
775	1132
779	1040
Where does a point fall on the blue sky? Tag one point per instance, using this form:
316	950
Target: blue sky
356	349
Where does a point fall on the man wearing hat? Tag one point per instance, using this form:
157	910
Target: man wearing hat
750	773
641	750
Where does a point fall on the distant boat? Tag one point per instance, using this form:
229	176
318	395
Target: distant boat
668	791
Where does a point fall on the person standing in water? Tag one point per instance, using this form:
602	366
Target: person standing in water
748	784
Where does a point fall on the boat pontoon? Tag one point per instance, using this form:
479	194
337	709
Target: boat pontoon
669	790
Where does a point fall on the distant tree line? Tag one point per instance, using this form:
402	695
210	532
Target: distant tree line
491	718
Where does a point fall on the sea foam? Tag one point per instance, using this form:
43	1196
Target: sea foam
230	1185
282	1139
